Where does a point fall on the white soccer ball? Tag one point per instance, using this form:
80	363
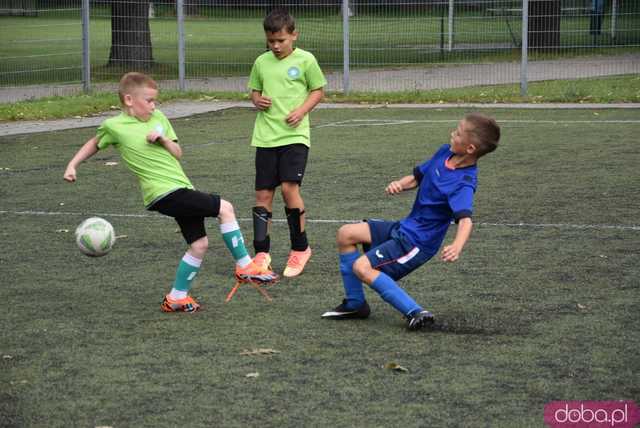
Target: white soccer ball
95	237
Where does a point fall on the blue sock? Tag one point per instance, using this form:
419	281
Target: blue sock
352	285
391	292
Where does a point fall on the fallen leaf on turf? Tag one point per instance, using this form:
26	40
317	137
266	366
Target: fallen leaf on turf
255	374
395	367
259	351
581	306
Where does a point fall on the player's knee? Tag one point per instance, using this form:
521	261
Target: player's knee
226	211
346	235
342	237
362	267
290	189
199	247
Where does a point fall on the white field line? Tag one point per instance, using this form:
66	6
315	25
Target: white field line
387	122
337	221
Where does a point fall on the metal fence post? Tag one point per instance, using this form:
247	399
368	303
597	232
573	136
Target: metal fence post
181	56
614	18
450	25
86	57
345	46
524	62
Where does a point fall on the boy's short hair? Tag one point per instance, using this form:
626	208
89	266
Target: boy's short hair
278	19
132	81
486	132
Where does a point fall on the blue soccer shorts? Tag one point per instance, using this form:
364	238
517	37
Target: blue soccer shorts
391	252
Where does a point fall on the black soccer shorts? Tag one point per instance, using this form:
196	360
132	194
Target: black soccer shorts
275	165
189	208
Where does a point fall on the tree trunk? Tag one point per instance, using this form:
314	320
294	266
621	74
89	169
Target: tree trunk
130	35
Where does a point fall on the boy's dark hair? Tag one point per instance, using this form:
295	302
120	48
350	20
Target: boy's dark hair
486	132
278	19
132	81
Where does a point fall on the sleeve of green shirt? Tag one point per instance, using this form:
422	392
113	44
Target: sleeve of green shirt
104	136
315	77
255	82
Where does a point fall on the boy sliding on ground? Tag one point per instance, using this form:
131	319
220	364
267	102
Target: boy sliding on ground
149	146
286	83
446	184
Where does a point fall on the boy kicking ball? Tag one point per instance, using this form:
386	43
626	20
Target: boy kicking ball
446	184
148	145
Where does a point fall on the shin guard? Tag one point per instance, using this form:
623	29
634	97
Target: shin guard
298	237
261	219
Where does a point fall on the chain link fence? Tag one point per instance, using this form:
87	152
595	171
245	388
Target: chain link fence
59	47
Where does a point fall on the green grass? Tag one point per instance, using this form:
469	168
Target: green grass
48	48
615	89
532	313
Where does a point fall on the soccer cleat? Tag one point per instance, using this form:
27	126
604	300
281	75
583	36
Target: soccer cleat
256	274
296	263
342	313
263	260
420	320
183	305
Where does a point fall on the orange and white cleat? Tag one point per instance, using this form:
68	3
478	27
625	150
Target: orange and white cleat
255	273
263	260
188	304
296	263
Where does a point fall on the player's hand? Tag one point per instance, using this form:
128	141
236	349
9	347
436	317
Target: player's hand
261	102
154	137
294	118
450	253
394	188
70	174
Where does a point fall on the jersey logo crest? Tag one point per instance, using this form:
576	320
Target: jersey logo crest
293	72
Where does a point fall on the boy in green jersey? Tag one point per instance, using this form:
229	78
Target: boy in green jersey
286	83
148	145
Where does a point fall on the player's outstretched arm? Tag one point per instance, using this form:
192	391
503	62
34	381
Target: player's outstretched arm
451	253
88	149
398	186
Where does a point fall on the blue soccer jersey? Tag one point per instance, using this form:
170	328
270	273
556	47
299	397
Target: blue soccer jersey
444	195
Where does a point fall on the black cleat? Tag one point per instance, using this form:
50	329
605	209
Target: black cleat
420	320
342	313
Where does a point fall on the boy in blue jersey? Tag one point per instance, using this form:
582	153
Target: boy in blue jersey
446	184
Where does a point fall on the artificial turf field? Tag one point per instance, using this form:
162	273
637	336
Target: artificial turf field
542	305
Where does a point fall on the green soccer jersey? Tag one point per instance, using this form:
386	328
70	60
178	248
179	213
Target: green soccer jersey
157	170
287	82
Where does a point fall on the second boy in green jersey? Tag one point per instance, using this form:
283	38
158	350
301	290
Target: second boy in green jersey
286	83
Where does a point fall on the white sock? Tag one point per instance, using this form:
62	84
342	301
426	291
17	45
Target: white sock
243	262
177	294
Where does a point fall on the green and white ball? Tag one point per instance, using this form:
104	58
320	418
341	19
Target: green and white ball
95	237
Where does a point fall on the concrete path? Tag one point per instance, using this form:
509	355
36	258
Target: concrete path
395	79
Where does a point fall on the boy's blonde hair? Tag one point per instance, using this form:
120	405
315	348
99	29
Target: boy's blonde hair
132	81
486	132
